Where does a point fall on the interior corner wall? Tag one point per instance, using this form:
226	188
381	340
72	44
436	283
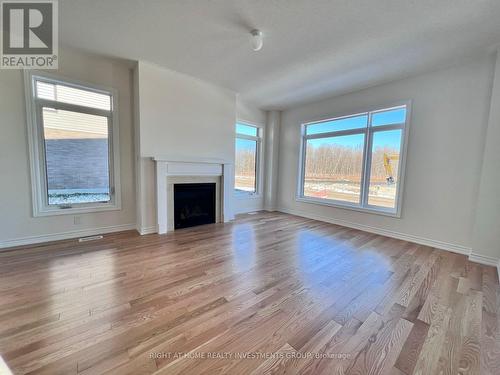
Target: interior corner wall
445	151
178	116
272	160
486	241
17	224
146	211
250	113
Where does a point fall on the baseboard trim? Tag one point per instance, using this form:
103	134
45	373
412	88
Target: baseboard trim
147	230
483	259
270	209
65	235
247	209
455	248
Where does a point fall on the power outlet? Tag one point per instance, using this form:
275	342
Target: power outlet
77	220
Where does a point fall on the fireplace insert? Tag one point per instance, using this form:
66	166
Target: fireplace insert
194	204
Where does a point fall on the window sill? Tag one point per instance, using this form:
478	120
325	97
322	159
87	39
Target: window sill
242	195
347	206
75	210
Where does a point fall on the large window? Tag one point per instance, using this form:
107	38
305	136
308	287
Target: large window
355	161
248	139
73	141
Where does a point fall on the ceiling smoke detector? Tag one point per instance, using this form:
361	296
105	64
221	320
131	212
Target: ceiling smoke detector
256	39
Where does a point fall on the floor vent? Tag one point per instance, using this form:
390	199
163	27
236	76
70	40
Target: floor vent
91	238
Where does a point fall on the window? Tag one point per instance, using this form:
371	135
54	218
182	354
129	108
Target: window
248	143
73	145
355	161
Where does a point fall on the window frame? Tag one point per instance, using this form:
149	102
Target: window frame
258	159
36	144
368	132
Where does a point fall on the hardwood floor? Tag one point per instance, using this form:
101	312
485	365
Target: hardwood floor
269	293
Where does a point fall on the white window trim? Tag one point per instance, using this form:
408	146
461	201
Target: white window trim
259	161
36	151
368	131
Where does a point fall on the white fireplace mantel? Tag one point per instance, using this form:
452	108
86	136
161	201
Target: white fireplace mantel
194	167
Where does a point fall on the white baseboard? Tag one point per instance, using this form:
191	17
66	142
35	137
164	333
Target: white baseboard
246	210
244	207
270	209
455	248
483	259
65	235
147	230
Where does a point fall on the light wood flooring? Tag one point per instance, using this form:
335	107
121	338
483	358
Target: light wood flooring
269	293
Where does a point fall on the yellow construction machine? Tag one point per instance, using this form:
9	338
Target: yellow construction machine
388	159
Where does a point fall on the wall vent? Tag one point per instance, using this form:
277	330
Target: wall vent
91	238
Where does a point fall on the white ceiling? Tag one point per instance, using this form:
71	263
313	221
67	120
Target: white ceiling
312	48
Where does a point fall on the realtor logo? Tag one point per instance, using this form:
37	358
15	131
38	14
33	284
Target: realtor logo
29	34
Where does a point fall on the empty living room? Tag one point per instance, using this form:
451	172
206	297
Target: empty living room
250	187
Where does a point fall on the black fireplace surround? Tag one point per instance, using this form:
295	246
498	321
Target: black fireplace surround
194	204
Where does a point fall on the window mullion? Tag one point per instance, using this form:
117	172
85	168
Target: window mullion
111	154
73	107
366	163
249	137
381	128
335	118
303	165
257	166
42	156
338	133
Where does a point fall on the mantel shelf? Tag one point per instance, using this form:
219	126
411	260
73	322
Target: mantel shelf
173	159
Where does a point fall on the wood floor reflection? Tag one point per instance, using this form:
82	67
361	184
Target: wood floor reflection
269	293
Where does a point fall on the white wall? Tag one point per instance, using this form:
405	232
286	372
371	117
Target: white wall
486	240
445	150
247	112
17	226
179	117
183	116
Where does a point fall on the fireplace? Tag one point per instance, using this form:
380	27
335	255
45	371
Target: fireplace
194	204
172	171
